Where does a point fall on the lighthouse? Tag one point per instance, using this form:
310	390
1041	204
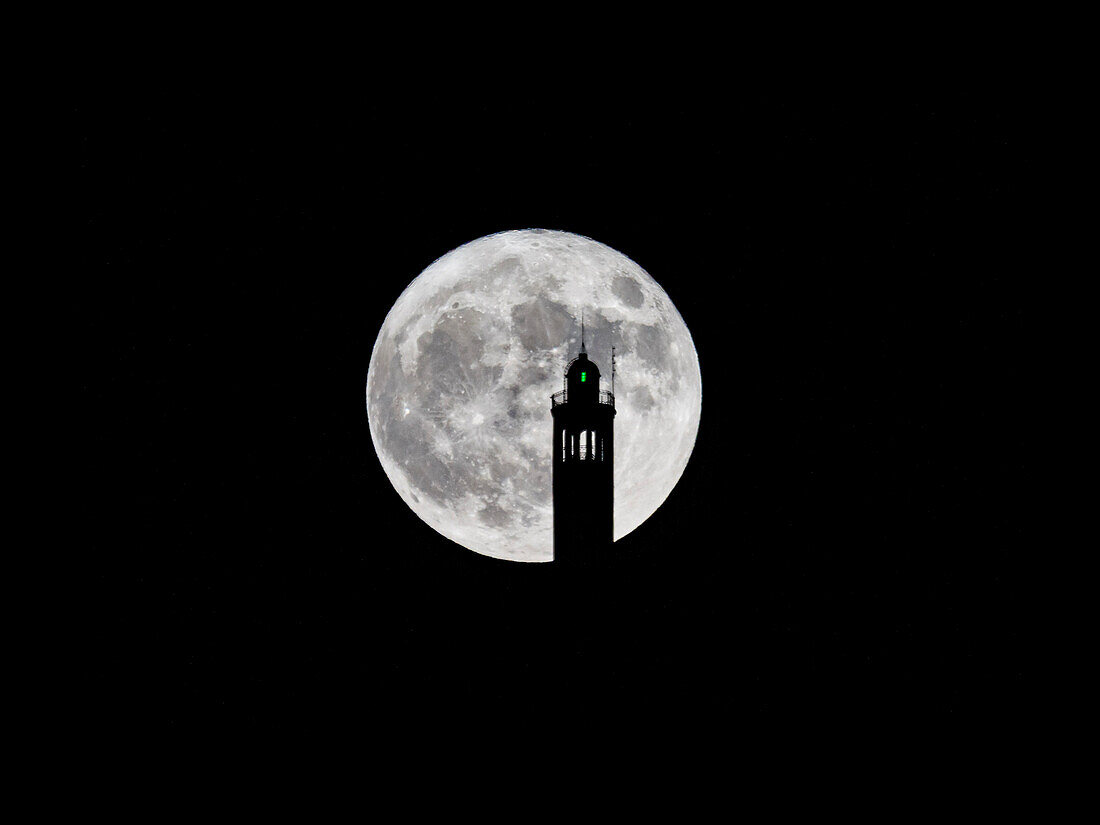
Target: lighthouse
584	452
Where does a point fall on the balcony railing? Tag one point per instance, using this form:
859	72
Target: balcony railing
604	397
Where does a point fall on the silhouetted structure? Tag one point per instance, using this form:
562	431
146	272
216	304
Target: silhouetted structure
584	450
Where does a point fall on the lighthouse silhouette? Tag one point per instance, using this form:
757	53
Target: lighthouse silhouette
584	453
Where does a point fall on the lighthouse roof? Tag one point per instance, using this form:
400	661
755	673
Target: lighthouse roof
581	362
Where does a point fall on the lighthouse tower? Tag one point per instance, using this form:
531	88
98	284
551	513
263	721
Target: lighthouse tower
584	451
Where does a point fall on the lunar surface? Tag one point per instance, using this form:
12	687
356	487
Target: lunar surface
459	385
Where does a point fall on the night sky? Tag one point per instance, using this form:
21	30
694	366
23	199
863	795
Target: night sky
847	537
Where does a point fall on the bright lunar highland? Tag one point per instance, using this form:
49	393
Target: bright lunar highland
459	385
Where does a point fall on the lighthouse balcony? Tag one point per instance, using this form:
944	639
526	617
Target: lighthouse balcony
604	397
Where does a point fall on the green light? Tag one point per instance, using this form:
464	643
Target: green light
583	374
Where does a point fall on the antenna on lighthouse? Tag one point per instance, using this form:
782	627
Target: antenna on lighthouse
582	330
613	370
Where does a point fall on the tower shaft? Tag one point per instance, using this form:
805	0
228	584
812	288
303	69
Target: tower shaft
583	465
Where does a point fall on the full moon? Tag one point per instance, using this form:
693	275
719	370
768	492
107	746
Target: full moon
459	384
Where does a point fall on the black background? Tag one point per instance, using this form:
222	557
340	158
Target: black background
846	537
